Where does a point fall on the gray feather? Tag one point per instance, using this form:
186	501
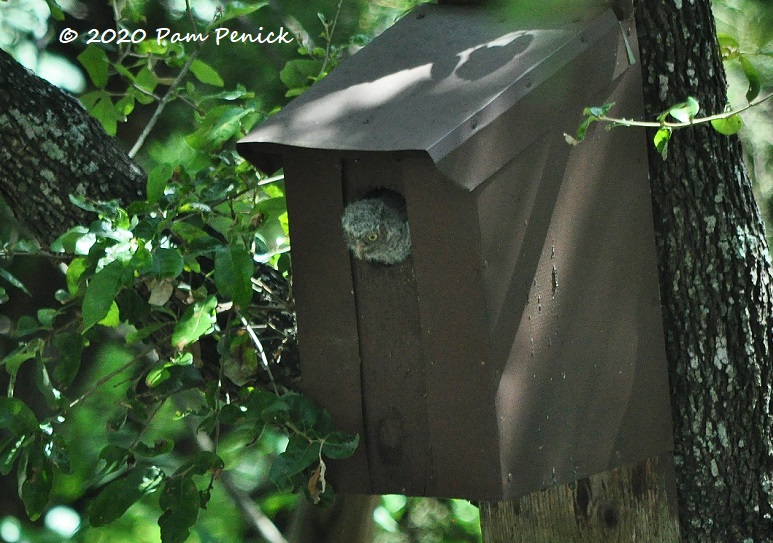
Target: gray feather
376	229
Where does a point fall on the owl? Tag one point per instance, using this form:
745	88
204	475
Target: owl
376	229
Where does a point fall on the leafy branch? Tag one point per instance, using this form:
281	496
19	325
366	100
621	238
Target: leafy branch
684	113
197	277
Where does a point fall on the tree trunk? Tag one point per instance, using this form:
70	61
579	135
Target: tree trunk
715	289
51	148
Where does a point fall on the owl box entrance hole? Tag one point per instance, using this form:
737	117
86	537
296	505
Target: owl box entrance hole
376	228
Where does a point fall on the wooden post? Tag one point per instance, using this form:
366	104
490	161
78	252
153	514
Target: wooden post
631	504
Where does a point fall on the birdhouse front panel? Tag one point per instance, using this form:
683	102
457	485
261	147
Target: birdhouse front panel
476	298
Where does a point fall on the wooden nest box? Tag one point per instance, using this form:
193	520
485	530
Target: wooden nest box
520	345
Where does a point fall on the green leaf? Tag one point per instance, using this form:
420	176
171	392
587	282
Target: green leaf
753	75
202	462
661	140
5	274
206	74
161	446
190	232
17	418
57	451
69	347
100	105
117	421
309	416
173	379
142	333
181	502
56	11
134	308
233	273
339	445
43	382
126	104
73	241
113	317
300	73
197	320
10	450
157	180
728	46
219	125
114	458
46	317
729	125
234	10
256	402
299	455
13	360
583	128
277	413
592	114
101	293
36	476
26	246
147	81
598	111
152	47
97	65
686	111
74	272
167	263
26	326
119	495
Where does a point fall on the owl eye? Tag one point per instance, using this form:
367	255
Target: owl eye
373	236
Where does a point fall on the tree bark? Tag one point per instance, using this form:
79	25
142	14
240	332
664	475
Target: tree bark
716	294
715	288
51	148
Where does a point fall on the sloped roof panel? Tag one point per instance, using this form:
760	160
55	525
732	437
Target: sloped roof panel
427	84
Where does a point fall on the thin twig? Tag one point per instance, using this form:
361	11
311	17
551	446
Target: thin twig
162	105
330	38
259	347
134	360
250	511
664	124
169	93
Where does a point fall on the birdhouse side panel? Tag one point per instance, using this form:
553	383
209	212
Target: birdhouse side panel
584	386
325	304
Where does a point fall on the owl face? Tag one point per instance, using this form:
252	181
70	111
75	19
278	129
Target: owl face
376	229
364	245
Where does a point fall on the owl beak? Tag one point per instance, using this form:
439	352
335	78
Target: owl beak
359	250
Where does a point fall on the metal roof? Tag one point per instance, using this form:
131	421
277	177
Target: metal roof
427	84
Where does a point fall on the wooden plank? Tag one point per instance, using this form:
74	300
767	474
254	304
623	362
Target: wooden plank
393	382
461	385
632	503
325	306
